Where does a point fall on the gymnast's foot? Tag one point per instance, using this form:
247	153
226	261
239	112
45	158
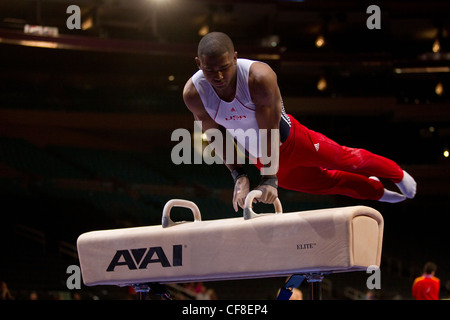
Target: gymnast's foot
408	185
390	196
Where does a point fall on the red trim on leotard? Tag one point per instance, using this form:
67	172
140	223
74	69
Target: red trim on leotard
217	111
244	104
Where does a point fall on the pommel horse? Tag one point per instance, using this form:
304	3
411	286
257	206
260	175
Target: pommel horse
303	245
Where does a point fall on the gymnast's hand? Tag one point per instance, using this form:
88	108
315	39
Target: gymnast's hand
241	189
269	193
269	188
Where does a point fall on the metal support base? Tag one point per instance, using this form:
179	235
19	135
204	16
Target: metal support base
315	286
314	281
143	289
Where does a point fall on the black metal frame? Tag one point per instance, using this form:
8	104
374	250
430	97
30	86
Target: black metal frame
143	289
314	282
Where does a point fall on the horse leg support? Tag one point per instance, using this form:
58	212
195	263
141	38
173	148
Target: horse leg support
314	282
143	289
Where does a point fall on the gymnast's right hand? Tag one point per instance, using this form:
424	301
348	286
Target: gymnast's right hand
241	189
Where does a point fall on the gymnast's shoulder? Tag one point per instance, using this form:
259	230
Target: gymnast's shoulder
191	96
261	76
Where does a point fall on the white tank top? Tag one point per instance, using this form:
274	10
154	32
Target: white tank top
237	114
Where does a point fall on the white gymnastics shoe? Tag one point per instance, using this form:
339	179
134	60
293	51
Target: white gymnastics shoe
408	185
390	196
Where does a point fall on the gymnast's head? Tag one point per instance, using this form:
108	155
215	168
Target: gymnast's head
215	44
216	57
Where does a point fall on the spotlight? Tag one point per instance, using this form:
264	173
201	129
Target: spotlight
436	46
204	30
270	41
322	84
88	23
439	89
320	41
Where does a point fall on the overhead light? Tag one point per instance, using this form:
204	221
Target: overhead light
422	70
268	56
204	30
39	44
320	41
446	153
439	89
270	41
322	84
88	23
171	77
436	46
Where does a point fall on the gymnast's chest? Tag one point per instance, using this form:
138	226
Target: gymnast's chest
236	114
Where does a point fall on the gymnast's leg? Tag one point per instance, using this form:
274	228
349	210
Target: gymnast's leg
323	181
312	148
365	163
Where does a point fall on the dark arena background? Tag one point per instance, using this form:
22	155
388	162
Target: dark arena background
86	117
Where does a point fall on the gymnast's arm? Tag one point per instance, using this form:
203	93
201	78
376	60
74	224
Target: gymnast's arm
241	182
195	105
266	96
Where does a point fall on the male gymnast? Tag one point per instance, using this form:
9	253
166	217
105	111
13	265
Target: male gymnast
230	93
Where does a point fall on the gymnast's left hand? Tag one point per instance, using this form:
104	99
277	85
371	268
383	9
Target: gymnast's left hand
269	193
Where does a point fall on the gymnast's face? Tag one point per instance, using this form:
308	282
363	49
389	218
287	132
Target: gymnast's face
220	71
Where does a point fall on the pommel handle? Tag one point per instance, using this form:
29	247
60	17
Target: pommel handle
248	210
167	222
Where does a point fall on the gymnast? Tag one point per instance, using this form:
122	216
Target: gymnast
231	93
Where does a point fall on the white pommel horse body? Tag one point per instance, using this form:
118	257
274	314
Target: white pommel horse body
306	244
